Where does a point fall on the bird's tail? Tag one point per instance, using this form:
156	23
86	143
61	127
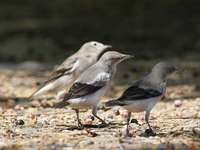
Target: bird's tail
60	104
112	103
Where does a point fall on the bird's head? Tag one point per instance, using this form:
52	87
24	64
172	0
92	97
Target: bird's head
112	58
165	69
94	48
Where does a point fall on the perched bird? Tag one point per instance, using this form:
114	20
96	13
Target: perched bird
92	84
64	76
145	93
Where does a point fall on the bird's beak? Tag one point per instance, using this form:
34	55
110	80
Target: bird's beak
107	46
127	56
179	69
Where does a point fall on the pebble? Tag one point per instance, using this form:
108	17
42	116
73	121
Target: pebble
177	103
91	117
116	112
88	121
46	123
17	130
39	124
17	107
125	114
110	116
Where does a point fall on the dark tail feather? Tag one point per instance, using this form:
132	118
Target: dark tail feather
60	104
112	103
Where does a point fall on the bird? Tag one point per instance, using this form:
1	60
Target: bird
92	84
146	92
64	76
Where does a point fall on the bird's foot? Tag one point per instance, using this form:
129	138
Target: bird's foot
129	134
152	133
80	125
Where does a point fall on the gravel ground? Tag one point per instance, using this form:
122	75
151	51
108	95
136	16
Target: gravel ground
177	127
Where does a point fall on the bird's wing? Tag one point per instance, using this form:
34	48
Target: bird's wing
66	67
136	92
62	70
79	89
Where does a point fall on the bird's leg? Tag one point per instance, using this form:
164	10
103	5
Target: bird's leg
128	119
147	120
77	114
94	112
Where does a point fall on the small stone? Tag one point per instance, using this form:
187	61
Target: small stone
179	92
39	124
177	103
91	117
39	104
19	122
116	112
47	123
31	116
125	114
17	130
17	107
110	116
88	121
134	121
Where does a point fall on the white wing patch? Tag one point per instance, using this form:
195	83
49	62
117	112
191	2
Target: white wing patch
102	77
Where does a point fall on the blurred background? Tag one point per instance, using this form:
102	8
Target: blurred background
50	31
37	35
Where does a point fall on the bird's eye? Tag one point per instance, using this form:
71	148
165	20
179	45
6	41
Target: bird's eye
118	58
95	44
172	69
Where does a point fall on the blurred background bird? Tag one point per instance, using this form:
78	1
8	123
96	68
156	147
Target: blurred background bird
64	76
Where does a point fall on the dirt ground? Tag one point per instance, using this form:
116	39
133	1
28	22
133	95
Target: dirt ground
176	127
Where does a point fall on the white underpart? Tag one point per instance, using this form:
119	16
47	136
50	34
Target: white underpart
88	100
141	105
61	84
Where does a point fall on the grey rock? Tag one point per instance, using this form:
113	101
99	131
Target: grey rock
39	124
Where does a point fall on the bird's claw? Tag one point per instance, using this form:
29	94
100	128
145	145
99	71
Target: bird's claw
152	133
129	134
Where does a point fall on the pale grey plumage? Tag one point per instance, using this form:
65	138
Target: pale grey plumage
92	84
64	76
145	93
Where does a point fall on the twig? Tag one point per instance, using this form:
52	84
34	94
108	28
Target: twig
181	118
67	125
195	131
92	132
177	133
48	113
